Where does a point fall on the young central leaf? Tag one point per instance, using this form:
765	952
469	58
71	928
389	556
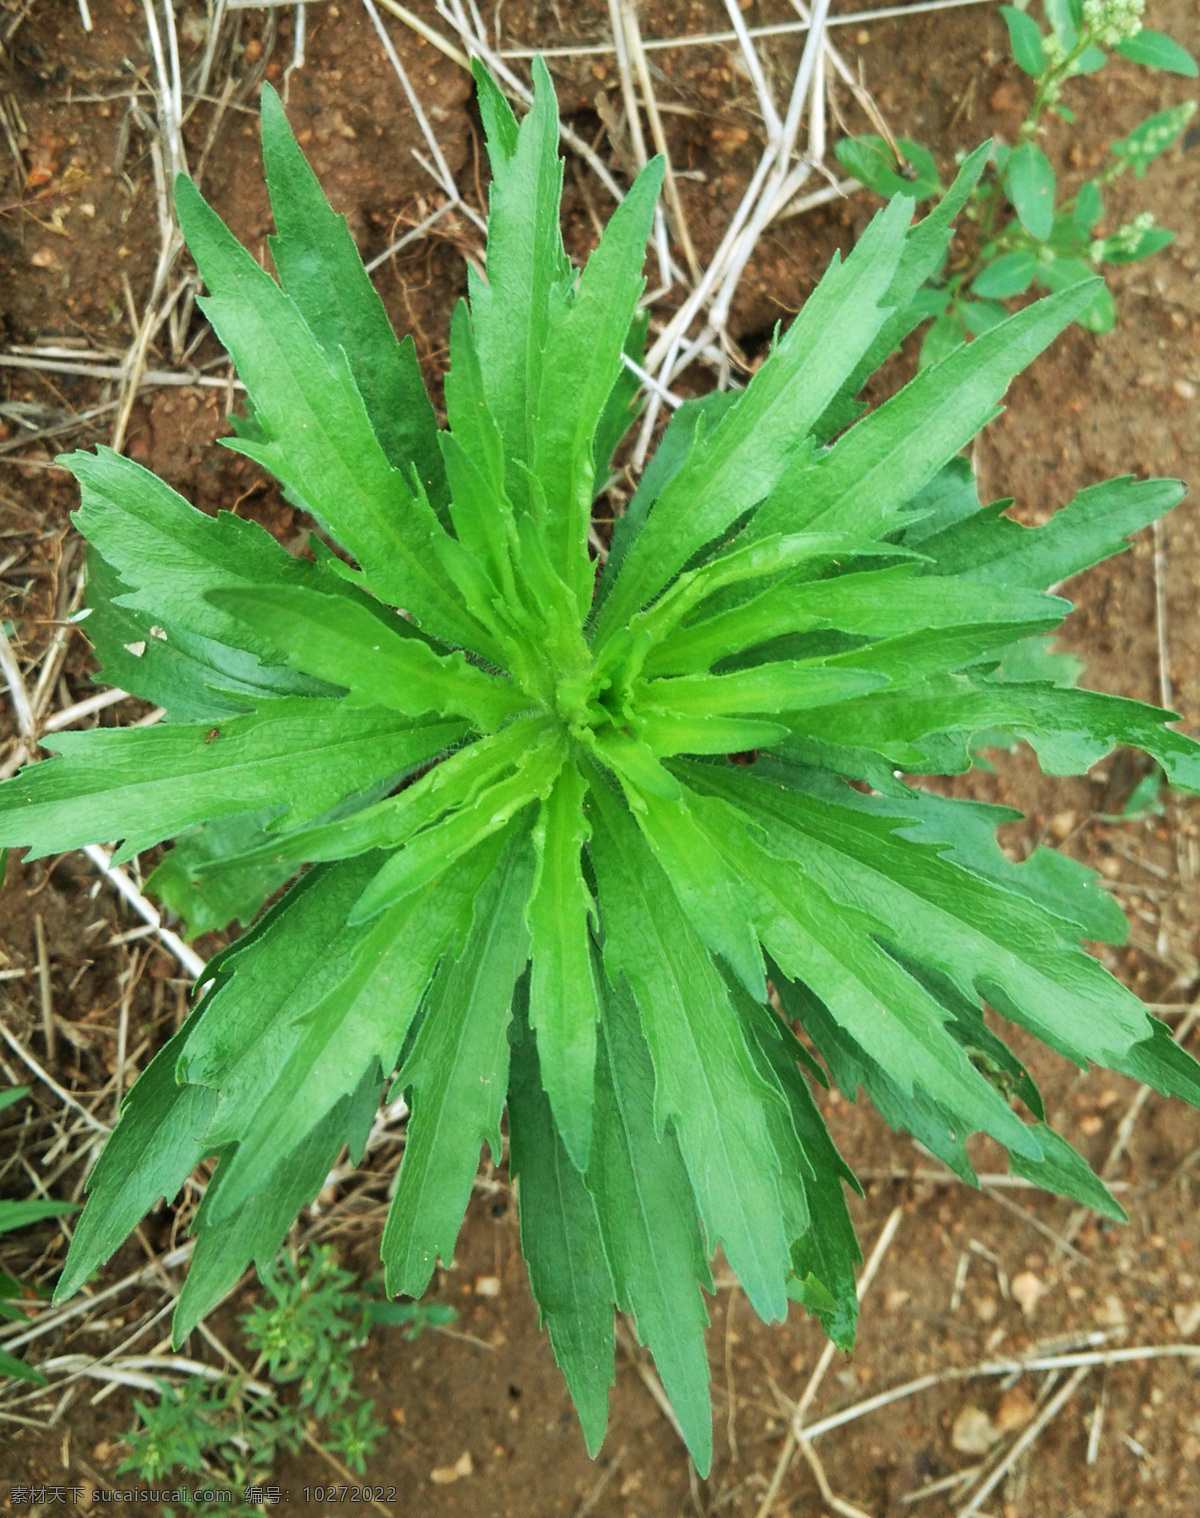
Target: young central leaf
578	857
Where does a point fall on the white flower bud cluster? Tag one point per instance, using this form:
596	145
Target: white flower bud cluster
1125	239
1112	21
1154	139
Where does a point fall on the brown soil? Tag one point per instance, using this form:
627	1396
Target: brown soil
1093	407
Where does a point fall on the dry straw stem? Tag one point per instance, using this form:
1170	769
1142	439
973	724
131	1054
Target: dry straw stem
441	172
133	1370
798	1432
47	1079
117	877
1050	1411
1011	1367
717	38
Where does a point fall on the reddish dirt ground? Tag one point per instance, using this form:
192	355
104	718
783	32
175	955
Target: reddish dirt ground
1092	407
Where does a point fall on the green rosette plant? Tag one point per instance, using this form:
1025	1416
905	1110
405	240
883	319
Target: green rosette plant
532	878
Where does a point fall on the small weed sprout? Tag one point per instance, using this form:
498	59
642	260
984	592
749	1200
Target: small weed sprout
304	1334
1050	243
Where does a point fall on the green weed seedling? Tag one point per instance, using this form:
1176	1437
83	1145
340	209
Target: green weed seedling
1049	243
303	1335
536	883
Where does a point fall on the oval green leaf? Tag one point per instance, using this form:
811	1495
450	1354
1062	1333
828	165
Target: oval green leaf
1029	183
1025	37
1010	274
1155	50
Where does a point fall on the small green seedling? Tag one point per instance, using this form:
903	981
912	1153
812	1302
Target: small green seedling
1049	243
232	1433
594	845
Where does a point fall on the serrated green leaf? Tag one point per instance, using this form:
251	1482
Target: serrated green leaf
731	469
667	733
949	496
965	832
579	366
1025	38
456	782
319	1007
925	247
374	655
1155	50
457	1075
1096	524
910	1108
701	880
809	554
1029	184
169	555
192	677
829	1250
320	268
1066	1173
157	1143
420	861
707	1084
254	1232
146	784
811	930
210	901
685	429
875	603
563	1002
1159	1061
648	1221
1034	659
499	123
885	459
767	688
929	727
914	657
317	436
620	409
528	272
985	940
560	1239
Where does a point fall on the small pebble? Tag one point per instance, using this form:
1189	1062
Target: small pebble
446	1475
1027	1290
973	1432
